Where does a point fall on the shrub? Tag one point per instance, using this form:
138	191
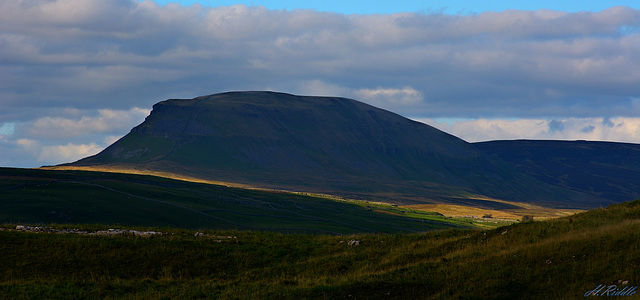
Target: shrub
527	218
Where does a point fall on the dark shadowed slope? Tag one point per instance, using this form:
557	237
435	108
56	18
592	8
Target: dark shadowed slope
605	169
66	197
321	144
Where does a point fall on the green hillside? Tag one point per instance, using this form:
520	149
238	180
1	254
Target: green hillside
558	259
80	197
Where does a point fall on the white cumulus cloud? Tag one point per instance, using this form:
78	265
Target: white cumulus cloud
66	153
405	96
106	121
595	129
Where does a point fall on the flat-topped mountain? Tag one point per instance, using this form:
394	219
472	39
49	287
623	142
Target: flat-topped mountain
605	169
321	144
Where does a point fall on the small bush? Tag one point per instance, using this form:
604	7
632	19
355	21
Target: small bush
527	218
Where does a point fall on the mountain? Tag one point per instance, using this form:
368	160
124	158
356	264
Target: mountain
322	144
605	169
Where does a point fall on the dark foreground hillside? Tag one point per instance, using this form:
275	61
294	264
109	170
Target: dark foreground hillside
67	197
559	259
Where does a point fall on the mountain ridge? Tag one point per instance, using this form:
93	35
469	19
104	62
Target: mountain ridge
608	170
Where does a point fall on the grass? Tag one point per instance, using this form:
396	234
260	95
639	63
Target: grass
539	212
76	197
554	259
551	259
456	214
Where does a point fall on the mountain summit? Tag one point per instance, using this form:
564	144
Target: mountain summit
320	144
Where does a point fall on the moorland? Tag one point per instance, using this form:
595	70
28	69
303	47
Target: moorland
269	195
562	258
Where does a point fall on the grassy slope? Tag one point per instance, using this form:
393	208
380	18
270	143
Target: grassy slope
39	196
556	259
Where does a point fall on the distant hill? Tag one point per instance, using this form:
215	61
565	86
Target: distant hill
604	169
322	144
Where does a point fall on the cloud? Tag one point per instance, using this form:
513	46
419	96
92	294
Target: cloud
83	53
555	126
27	144
320	88
588	129
28	152
18	153
405	96
103	57
59	139
595	129
67	153
607	122
384	97
106	121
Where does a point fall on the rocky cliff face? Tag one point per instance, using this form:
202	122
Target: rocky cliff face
320	144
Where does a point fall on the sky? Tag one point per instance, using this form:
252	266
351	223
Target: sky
76	75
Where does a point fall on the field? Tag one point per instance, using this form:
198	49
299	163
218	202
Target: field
457	211
553	259
238	243
475	208
81	197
